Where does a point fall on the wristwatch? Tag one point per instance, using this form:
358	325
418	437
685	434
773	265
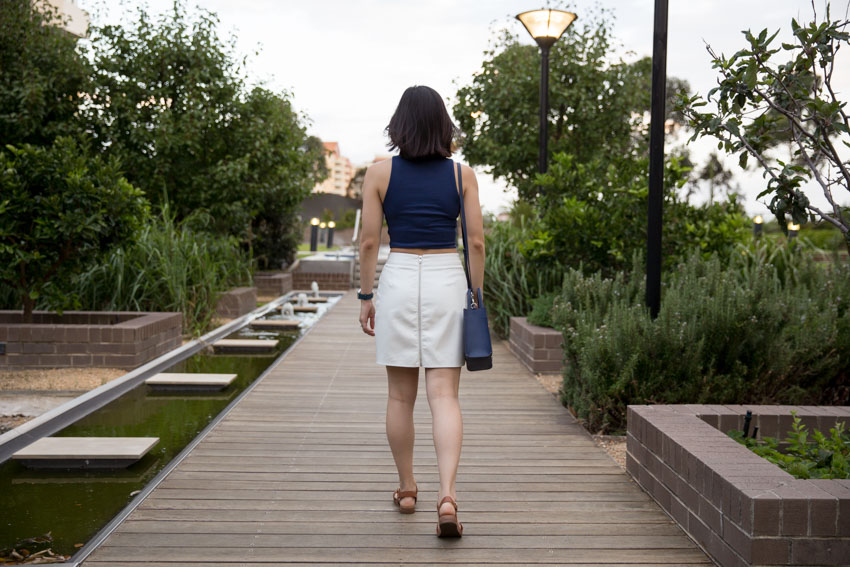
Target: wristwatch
364	295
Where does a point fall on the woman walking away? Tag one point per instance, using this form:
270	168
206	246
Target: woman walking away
417	315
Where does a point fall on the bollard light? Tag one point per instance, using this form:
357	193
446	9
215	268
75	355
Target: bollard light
323	232
314	234
758	226
331	226
793	229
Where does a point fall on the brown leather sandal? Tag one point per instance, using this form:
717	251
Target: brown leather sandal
447	524
399	494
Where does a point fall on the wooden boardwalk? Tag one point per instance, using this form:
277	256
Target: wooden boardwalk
300	473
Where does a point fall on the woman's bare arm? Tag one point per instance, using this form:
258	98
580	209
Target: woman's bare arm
474	227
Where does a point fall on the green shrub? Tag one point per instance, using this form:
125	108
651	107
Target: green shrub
767	325
822	457
541	310
169	267
61	211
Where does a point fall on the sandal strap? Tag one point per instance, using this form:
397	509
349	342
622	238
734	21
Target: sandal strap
448	499
399	494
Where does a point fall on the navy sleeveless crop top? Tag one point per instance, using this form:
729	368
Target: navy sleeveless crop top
422	204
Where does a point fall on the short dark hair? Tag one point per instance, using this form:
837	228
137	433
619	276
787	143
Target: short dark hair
421	127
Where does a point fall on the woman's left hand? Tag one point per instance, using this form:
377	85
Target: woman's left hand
367	317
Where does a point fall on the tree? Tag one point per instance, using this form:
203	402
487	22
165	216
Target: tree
60	211
597	108
760	103
41	75
716	175
171	102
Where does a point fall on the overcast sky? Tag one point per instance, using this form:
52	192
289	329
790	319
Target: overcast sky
346	62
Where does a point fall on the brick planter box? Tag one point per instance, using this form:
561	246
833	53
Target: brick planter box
273	284
329	274
106	339
538	348
742	509
236	302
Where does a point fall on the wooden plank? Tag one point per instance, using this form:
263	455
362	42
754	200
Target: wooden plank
300	473
461	553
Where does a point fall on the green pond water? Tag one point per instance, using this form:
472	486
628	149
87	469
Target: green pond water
73	505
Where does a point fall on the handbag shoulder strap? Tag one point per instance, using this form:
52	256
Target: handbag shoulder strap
459	183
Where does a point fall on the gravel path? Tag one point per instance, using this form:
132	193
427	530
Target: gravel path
14	383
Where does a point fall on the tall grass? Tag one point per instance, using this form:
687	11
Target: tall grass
511	282
170	267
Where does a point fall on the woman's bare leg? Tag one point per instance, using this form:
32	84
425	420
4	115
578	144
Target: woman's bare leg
403	383
447	427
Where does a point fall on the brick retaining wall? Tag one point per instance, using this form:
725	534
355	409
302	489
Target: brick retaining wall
236	302
538	348
742	509
273	284
105	339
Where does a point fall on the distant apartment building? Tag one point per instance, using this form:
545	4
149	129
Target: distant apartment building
340	172
75	20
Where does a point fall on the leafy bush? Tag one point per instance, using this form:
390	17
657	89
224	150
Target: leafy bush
767	325
823	457
61	210
595	215
169	267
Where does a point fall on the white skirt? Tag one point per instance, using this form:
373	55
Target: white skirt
419	311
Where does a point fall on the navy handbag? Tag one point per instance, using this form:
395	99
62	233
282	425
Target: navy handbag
477	349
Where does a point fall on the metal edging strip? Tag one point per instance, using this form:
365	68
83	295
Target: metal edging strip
107	530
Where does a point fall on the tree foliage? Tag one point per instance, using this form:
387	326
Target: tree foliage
597	102
41	75
61	210
171	102
761	102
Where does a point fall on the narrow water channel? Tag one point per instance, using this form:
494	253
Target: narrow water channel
73	505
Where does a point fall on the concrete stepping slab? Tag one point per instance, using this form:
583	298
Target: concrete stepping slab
305	308
245	345
85	452
190	381
275	324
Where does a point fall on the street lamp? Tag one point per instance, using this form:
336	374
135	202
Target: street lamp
545	26
757	226
331	226
322	234
314	234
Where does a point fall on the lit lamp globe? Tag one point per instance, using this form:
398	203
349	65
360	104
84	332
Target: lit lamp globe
757	225
545	25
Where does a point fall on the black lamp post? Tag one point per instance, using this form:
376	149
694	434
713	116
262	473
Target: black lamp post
314	234
545	26
656	159
323	233
331	226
